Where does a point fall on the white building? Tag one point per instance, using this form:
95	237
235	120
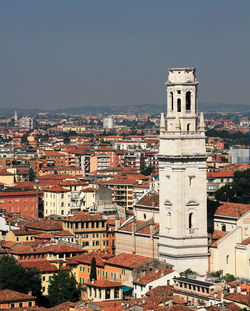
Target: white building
147	282
183	238
108	123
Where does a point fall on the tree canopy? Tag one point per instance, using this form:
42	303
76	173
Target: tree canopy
238	191
92	275
63	287
13	276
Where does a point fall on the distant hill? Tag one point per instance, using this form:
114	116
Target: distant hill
151	109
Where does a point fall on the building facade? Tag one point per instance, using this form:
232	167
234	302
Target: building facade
183	238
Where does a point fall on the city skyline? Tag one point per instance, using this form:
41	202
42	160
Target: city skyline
63	54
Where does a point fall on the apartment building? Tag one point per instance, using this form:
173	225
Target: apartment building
122	191
90	230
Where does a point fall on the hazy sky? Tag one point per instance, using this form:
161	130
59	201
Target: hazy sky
58	53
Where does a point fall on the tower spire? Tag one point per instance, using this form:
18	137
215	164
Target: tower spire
202	122
162	123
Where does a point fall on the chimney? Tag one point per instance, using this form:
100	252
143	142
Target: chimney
152	229
30	293
117	224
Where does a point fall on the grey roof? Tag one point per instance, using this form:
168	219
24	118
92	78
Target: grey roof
194	282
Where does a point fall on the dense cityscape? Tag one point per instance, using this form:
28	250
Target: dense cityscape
124	155
88	216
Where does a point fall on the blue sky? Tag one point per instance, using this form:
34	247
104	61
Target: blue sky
58	53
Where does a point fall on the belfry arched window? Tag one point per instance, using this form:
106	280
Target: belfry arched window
190	221
172	100
178	105
188	101
168	219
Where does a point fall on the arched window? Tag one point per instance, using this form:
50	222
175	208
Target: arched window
188	127
169	220
172	100
178	105
227	259
144	216
223	228
188	101
190	221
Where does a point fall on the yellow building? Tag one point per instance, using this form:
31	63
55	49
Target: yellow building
21	235
89	230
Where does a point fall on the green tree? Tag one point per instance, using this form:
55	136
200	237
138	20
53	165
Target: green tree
238	191
187	272
148	170
92	275
13	276
228	277
66	140
32	175
63	287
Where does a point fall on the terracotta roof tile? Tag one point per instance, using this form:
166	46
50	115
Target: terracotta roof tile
244	299
228	209
83	216
104	283
128	260
220	174
246	242
56	189
87	257
153	276
151	200
7	295
231	306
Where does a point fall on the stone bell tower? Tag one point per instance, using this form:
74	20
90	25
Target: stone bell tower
183	239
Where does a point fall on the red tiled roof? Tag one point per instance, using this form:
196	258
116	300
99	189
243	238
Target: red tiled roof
5	172
231	306
148	278
152	200
23	232
46	225
83	216
177	299
116	305
178	308
246	242
17	193
220	174
104	283
161	291
7	295
244	299
87	257
229	209
56	189
128	260
64	233
43	266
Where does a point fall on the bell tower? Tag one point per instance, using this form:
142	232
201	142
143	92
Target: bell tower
183	238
